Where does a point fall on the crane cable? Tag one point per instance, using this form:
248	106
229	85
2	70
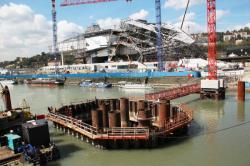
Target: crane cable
185	14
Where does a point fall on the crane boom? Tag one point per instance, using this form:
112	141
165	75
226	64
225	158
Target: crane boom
211	23
159	45
81	2
184	16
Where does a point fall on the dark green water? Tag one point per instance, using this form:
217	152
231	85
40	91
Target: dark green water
219	135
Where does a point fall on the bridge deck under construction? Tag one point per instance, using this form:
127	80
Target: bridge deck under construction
174	93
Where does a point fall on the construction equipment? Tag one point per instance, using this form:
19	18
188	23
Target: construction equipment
212	87
54	24
37	148
211	25
54	27
5	94
184	16
159	45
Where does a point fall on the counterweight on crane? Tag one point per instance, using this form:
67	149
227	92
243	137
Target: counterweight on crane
159	45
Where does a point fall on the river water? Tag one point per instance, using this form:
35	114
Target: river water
218	136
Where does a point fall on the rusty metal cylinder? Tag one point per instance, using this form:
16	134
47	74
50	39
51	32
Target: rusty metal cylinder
117	104
112	104
241	91
142	115
100	102
163	109
134	106
114	119
124	111
143	118
105	108
96	116
91	105
7	99
140	105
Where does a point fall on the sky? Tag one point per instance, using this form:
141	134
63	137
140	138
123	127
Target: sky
26	27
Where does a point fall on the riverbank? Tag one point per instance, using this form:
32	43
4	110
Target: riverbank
164	81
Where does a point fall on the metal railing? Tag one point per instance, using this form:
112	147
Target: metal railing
180	120
174	93
101	133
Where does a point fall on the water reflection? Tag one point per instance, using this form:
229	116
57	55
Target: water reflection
241	111
208	113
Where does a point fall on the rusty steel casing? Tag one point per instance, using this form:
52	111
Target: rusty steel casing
163	109
140	105
117	101
124	112
143	118
112	104
104	108
96	116
100	102
241	91
114	119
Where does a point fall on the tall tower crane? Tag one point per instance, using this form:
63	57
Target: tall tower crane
159	45
211	25
54	26
212	87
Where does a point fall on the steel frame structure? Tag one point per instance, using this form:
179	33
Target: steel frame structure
211	23
159	46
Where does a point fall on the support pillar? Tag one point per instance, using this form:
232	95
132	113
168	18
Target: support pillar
124	110
241	91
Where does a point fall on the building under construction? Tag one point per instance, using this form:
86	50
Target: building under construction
133	40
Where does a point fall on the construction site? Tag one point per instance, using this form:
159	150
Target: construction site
128	91
134	40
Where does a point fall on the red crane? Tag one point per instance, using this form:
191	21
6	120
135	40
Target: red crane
80	2
211	23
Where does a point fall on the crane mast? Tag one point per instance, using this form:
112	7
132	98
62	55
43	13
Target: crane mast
159	45
211	23
54	22
212	87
